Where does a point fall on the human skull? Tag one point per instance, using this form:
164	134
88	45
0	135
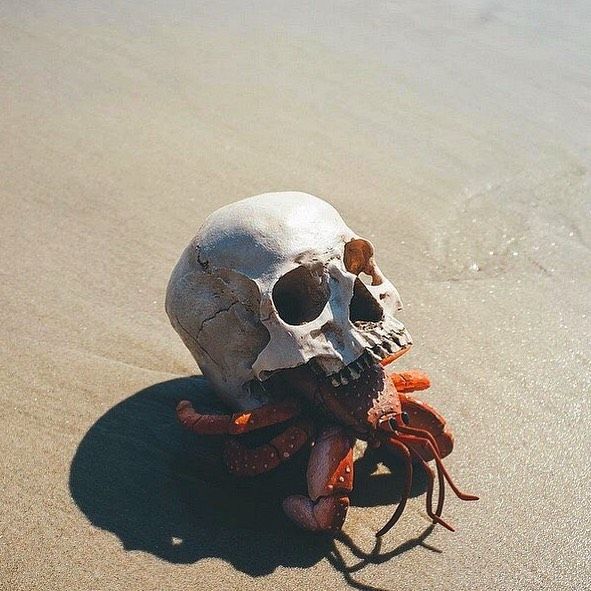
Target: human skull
276	281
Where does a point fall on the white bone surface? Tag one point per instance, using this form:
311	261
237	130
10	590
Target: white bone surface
220	294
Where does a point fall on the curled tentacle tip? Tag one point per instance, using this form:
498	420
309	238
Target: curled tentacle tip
466	496
444	524
183	404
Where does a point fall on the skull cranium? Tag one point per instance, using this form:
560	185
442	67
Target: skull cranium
276	281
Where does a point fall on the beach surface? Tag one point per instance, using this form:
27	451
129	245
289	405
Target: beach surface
455	136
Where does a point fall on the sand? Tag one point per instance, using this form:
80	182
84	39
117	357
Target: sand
454	136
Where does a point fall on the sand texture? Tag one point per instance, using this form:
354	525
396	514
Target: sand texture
455	136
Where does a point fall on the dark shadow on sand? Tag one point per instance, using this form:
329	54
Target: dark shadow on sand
161	490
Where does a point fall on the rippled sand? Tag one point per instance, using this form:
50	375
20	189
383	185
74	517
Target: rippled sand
455	137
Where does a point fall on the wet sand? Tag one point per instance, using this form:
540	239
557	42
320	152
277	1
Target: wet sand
454	137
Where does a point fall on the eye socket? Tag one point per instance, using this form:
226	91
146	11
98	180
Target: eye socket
300	295
363	306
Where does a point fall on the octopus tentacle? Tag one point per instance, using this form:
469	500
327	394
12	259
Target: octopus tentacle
404	450
433	448
435	516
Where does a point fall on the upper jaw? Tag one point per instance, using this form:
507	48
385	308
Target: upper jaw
383	348
380	343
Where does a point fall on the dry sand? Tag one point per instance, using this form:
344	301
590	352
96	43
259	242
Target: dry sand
453	135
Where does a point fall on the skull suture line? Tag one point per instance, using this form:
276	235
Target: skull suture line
272	282
289	317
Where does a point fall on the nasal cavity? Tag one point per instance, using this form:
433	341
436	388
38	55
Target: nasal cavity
363	306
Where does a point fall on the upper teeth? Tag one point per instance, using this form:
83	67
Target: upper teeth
374	354
382	347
